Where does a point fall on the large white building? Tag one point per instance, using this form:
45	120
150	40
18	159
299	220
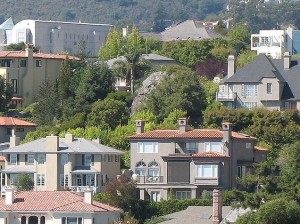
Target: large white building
58	37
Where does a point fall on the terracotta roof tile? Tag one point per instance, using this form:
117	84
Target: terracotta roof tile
12	121
53	201
21	54
2	159
259	148
210	155
193	134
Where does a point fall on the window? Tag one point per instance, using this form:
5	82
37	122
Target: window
269	88
30	159
88	160
290	105
213	147
13	159
207	170
19	129
5	63
248	145
64	180
264	41
250	105
140	168
40	179
155	196
14	83
191	147
9	131
181	195
90	180
71	220
147	147
221	88
21	37
13	179
249	90
38	63
153	169
117	158
41	158
64	159
23	63
241	171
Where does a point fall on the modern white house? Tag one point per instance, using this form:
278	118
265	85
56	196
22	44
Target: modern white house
55	207
58	37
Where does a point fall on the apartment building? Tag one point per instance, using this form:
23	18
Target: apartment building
26	71
185	162
61	163
264	82
63	207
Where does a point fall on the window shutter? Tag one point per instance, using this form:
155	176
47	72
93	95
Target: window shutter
26	158
243	90
17	158
82	160
8	158
92	160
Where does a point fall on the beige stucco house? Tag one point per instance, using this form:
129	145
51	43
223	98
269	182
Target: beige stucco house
26	71
61	163
55	207
186	162
264	82
14	126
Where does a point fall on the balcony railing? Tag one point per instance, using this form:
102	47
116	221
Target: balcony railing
226	96
213	181
149	179
83	188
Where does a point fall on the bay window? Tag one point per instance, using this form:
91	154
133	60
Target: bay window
249	90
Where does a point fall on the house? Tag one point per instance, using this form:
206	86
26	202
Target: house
5	32
155	61
264	82
16	126
53	207
57	37
26	71
275	43
185	162
61	163
187	30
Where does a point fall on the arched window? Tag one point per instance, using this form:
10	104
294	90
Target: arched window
140	168
153	169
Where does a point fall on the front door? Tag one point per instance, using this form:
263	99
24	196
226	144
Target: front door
79	180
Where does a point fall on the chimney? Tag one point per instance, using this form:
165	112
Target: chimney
231	66
227	134
14	140
69	138
125	31
88	196
182	123
140	126
217	206
52	143
29	51
9	195
286	60
97	140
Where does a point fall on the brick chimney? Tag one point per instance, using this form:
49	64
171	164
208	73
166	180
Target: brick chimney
227	134
231	66
217	206
14	140
182	123
286	60
88	196
140	126
69	138
9	195
52	143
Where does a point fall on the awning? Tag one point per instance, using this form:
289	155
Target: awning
20	169
84	170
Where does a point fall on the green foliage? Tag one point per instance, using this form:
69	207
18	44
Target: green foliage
181	91
210	89
121	96
240	33
171	122
244	58
72	122
25	182
155	220
248	218
108	113
5	94
127	219
113	45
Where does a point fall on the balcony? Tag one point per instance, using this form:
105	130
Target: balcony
226	96
213	181
83	188
149	179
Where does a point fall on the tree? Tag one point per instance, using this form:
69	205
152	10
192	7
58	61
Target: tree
25	182
182	91
108	113
239	35
64	79
47	107
113	45
211	67
5	94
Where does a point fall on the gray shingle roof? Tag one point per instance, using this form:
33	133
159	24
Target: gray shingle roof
79	145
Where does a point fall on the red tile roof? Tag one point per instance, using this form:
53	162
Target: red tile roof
12	121
2	159
193	134
21	54
209	154
259	148
53	201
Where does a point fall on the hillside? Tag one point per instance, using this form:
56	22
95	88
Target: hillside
117	12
